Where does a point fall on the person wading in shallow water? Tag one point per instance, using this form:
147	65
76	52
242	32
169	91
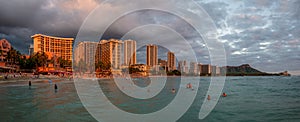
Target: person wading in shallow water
55	87
29	84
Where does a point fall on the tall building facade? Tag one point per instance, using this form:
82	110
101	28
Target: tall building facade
183	66
171	61
199	68
111	52
162	63
194	68
206	69
53	46
4	49
215	70
86	52
218	70
98	53
151	59
129	52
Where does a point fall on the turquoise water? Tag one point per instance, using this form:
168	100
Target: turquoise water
249	99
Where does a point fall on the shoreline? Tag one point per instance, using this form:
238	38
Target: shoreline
19	78
57	79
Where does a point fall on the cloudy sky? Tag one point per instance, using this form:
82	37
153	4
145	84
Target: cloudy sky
262	33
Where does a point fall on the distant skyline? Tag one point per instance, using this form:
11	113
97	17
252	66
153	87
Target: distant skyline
262	33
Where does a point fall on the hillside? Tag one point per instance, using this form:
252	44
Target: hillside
244	70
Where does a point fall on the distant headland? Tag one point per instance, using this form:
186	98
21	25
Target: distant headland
247	70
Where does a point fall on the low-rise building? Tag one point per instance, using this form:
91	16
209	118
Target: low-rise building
143	69
162	64
5	46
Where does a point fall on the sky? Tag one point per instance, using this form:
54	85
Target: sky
262	33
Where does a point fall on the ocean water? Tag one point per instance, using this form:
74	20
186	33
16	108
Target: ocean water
249	99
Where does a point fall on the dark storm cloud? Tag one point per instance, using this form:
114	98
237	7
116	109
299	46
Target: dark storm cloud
21	19
143	17
16	13
20	37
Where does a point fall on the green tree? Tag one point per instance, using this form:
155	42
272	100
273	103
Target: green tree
1	54
30	64
107	66
63	63
133	70
40	59
100	66
174	72
13	57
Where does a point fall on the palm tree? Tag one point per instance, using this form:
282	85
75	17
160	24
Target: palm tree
40	59
18	57
44	59
1	54
11	55
63	63
99	66
30	63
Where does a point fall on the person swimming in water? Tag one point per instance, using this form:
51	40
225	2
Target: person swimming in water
208	97
189	86
173	90
224	94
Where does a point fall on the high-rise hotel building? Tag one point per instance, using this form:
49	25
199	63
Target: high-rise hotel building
53	46
206	69
152	55
111	52
129	52
171	61
86	51
183	66
194	68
